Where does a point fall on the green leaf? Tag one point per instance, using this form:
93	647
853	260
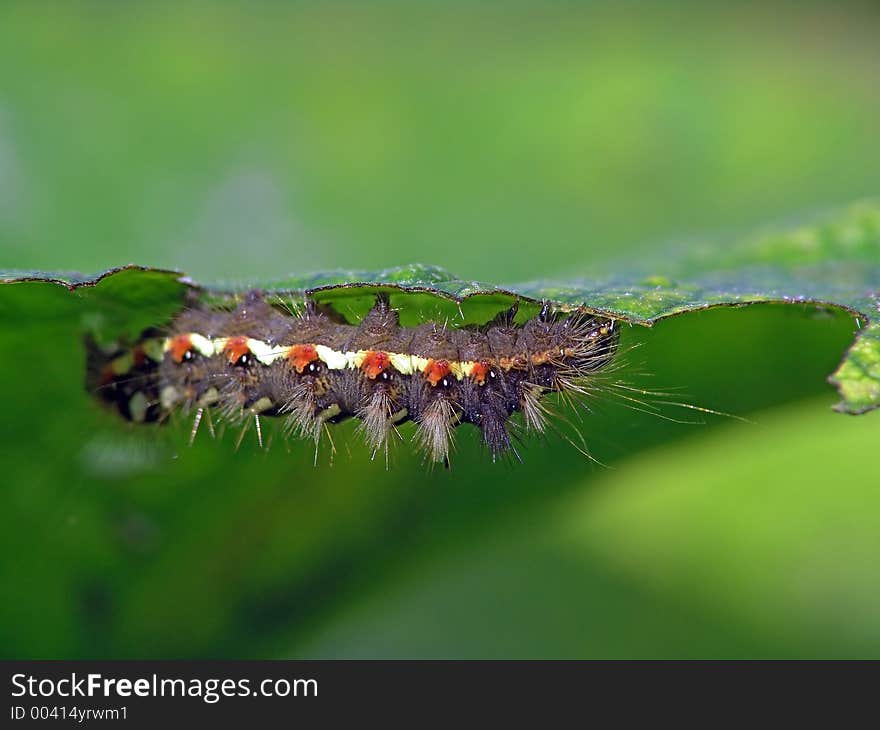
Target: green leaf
118	303
833	262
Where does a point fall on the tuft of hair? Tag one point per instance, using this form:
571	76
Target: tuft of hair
302	408
589	342
376	420
434	429
533	408
495	436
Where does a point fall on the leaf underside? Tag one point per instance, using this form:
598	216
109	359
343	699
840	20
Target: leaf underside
833	262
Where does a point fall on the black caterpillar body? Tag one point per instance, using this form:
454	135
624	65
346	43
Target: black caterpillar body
313	370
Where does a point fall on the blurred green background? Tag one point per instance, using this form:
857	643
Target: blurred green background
242	142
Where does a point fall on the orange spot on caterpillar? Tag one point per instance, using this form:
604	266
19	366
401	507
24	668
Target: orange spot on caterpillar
138	355
301	355
480	371
236	348
436	370
180	345
375	363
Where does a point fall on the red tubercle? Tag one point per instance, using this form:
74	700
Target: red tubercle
480	371
375	363
180	345
436	370
301	355
236	348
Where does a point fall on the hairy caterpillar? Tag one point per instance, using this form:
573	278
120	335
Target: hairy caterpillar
310	367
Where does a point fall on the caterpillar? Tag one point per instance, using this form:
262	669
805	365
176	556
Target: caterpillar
309	366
